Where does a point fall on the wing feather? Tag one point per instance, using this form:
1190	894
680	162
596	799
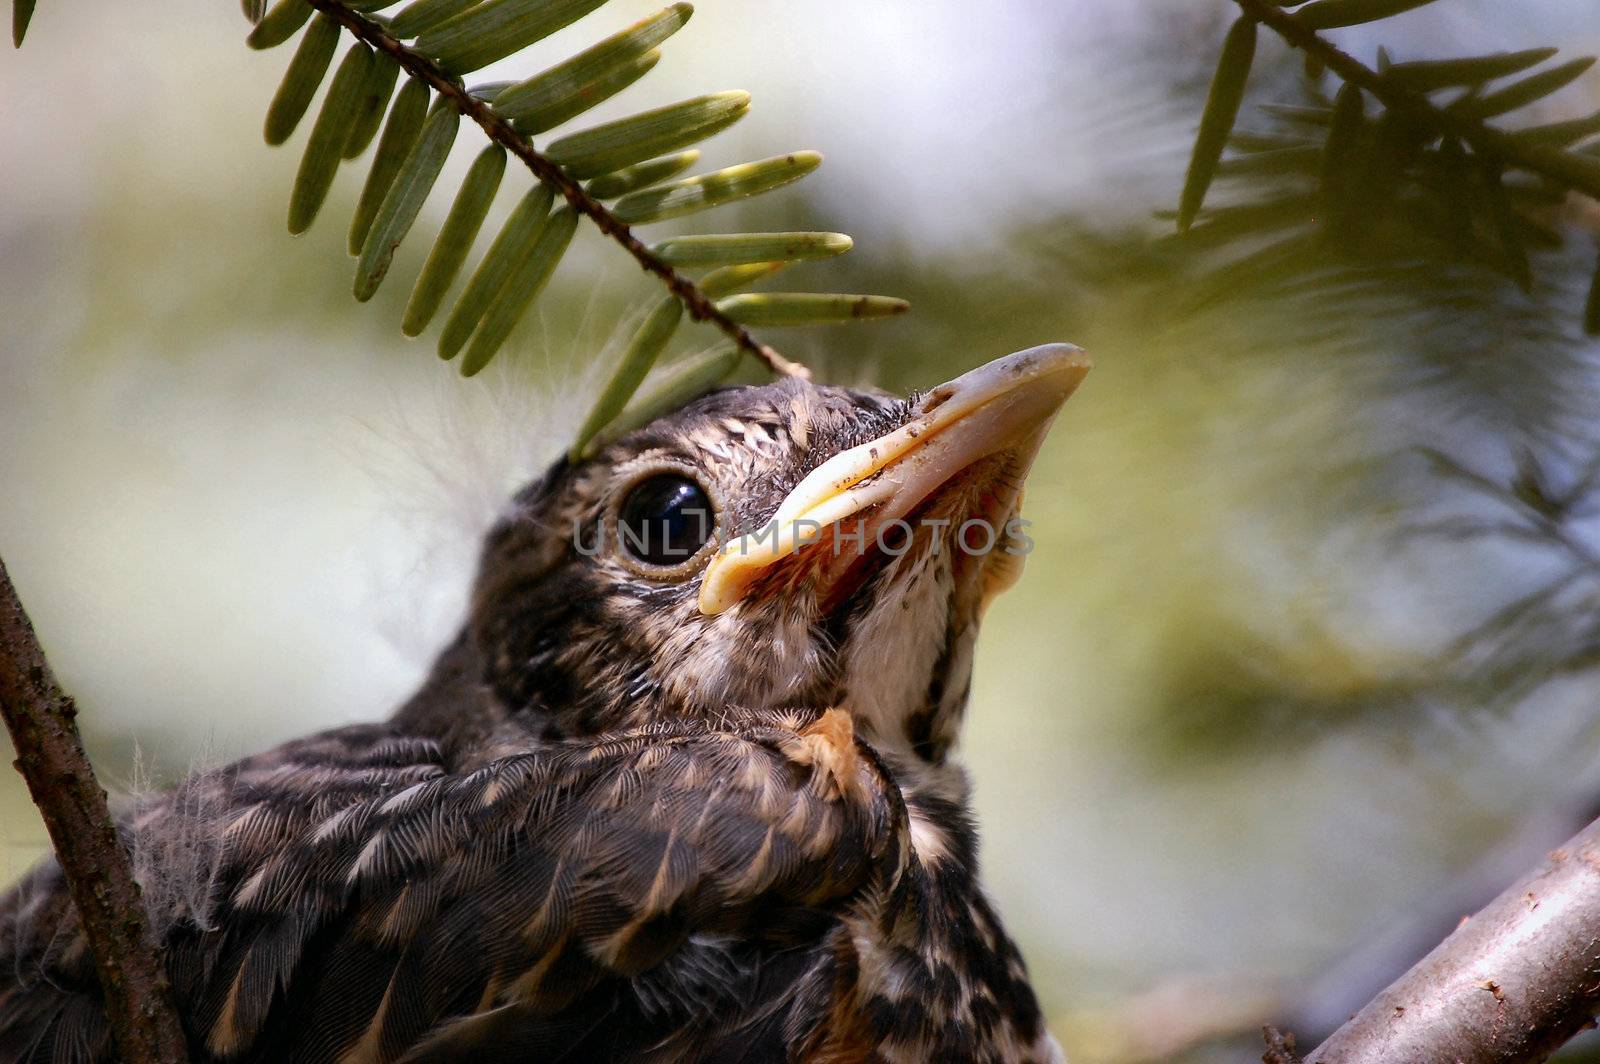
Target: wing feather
371	905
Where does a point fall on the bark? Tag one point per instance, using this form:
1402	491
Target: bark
42	721
1508	986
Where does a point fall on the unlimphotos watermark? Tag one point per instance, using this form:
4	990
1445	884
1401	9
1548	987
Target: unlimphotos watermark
668	537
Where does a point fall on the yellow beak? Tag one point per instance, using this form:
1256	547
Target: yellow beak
1004	405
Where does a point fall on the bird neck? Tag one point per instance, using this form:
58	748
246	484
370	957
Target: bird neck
478	707
456	707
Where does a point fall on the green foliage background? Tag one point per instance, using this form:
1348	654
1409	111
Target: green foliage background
1242	716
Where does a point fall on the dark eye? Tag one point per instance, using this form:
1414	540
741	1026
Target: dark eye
665	519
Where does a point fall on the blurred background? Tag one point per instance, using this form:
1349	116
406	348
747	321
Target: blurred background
1302	668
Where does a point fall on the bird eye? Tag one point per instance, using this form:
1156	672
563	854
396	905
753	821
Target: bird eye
665	520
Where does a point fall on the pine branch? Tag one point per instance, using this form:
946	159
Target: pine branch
633	160
42	721
1511	985
698	305
1523	154
1425	179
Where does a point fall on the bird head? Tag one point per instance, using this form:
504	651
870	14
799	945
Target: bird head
786	545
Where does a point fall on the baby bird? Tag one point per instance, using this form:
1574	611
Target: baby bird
681	791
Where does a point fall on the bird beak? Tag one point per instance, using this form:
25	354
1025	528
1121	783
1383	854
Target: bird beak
1004	406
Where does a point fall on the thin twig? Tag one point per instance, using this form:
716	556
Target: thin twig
1485	139
42	721
1511	985
696	302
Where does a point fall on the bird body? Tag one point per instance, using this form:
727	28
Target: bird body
671	796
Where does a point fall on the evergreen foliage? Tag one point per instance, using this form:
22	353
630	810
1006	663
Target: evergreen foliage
1400	164
630	160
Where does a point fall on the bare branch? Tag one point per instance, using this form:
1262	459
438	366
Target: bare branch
697	303
1511	985
42	721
